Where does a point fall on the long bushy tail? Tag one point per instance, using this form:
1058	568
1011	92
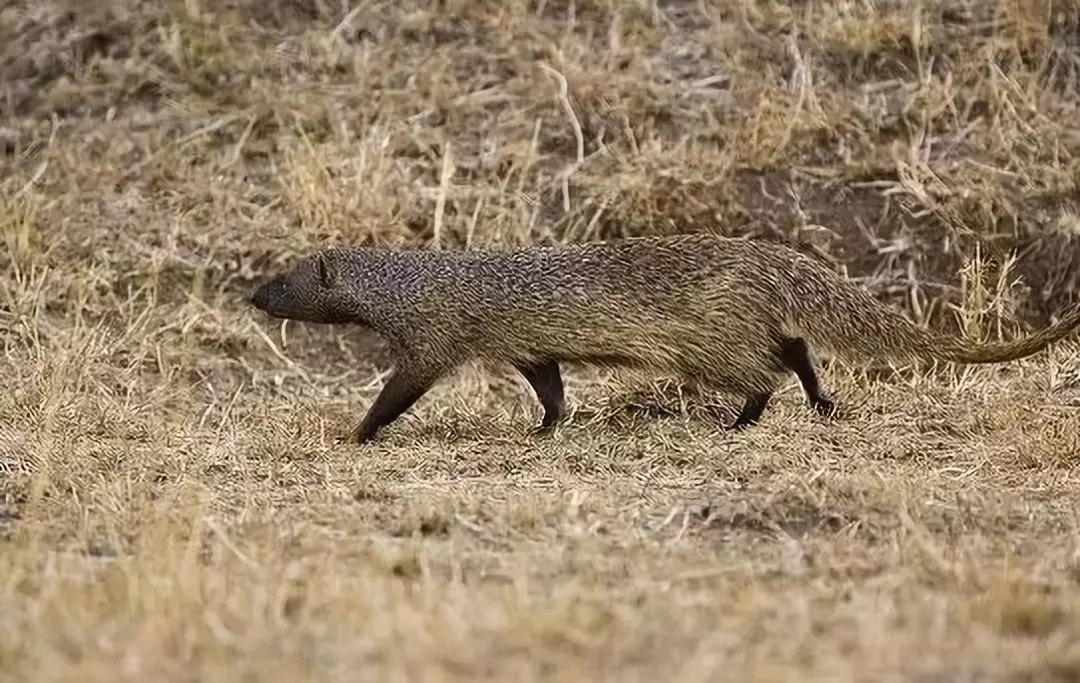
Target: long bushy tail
960	350
840	316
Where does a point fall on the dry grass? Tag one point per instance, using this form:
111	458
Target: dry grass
173	502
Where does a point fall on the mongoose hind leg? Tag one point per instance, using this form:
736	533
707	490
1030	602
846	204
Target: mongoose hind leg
752	409
755	380
403	389
795	356
546	380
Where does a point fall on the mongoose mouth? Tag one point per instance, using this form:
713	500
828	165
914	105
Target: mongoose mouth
281	298
267	297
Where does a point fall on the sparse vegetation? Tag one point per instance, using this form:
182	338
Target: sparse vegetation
173	500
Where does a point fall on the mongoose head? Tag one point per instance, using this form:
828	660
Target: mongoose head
310	293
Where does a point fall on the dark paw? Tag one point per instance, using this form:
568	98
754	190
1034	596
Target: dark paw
827	408
544	429
739	426
360	436
548	424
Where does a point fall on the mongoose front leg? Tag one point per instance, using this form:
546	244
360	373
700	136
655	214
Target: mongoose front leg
795	356
401	391
751	411
546	380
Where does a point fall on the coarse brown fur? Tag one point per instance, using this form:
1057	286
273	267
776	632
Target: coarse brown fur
734	315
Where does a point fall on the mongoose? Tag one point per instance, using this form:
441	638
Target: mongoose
733	315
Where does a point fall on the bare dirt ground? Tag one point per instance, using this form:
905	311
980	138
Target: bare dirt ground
174	504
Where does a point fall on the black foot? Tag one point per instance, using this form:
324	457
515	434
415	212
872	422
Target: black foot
546	380
795	356
826	406
404	388
751	412
542	430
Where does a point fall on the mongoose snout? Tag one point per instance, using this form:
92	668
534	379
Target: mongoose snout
733	315
264	297
306	294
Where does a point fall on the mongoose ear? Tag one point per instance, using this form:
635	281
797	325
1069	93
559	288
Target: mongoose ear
327	271
323	269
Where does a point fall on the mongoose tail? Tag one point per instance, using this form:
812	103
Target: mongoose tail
847	320
966	351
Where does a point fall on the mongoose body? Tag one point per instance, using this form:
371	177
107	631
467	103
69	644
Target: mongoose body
734	315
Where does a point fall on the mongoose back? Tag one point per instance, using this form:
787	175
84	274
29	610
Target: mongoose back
732	315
